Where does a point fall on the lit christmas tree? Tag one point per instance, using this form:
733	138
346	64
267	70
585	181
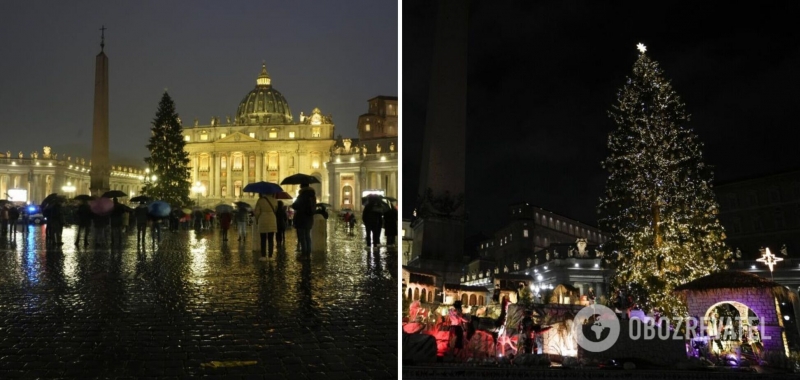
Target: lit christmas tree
168	160
658	204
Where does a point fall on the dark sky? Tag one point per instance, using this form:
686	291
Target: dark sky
542	76
331	55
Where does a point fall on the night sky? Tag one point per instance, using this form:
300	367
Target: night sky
331	55
543	75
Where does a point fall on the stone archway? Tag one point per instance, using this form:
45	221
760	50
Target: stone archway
748	290
727	322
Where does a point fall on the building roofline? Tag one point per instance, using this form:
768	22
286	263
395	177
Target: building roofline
384	97
755	177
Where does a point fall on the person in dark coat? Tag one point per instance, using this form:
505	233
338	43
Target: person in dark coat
13	217
116	220
55	221
304	207
280	217
84	218
372	219
155	228
390	226
225	219
140	215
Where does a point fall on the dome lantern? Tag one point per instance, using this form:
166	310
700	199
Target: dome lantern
263	78
264	104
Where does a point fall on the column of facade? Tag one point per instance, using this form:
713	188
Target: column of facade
335	187
359	178
195	168
393	184
228	165
215	162
259	161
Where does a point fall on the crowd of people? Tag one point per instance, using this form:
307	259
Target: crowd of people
270	218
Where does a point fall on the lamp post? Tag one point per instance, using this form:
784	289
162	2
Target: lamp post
198	189
148	181
69	188
539	286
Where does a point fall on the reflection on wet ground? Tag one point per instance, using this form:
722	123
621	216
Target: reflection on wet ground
193	305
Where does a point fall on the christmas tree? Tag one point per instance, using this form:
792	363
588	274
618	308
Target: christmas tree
168	161
659	204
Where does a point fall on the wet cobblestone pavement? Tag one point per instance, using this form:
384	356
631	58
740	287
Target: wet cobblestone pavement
193	306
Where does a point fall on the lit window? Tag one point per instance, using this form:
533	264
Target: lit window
204	163
315	132
253	134
252	162
366	127
223	162
237	162
291	135
273	134
222	135
186	138
525	233
204	137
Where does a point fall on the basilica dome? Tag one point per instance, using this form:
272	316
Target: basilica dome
264	104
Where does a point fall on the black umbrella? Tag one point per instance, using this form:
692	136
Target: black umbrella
325	205
51	200
299	179
242	204
375	203
140	198
262	188
83	197
114	194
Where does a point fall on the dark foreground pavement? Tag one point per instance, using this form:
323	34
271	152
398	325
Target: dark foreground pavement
193	306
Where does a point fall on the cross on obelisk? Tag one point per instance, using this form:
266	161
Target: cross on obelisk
102	37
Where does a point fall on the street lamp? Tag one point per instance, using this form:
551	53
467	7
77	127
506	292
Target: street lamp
69	188
198	189
539	286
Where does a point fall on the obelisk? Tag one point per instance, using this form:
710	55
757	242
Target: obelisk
100	169
439	241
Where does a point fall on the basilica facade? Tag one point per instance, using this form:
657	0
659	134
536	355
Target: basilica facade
261	142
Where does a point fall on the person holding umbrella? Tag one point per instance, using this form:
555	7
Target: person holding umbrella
372	218
140	215
13	217
116	220
241	220
304	207
280	217
55	221
390	226
264	213
84	222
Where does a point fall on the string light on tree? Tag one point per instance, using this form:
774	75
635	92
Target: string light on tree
770	260
658	203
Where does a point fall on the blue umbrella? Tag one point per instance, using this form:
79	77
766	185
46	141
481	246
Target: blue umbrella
159	209
263	188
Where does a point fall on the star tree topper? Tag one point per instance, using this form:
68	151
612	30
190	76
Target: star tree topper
641	47
769	259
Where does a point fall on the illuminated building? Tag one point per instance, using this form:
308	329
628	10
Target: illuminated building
41	174
370	162
261	142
